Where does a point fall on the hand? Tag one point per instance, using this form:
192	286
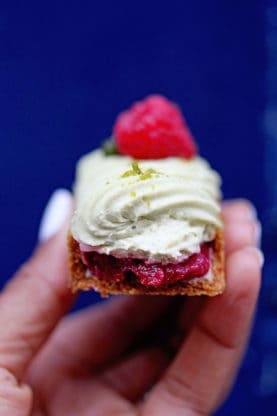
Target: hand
102	361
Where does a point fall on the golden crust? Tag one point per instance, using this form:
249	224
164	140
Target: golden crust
197	287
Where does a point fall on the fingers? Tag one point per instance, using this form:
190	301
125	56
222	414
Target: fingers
189	314
238	210
133	376
241	227
32	303
206	364
96	336
86	397
100	333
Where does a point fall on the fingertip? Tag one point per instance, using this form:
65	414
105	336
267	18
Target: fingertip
241	209
256	253
241	234
243	270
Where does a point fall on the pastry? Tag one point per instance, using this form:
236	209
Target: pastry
147	217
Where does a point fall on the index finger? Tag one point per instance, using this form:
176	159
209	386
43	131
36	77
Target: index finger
32	303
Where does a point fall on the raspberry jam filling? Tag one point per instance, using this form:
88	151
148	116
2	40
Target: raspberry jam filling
129	269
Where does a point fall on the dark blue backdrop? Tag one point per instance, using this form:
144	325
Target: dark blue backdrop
68	67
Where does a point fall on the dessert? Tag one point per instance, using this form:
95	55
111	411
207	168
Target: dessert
147	217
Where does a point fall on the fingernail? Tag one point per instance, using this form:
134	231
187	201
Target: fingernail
258	234
251	212
258	253
54	214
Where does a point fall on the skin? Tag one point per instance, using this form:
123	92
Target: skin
110	359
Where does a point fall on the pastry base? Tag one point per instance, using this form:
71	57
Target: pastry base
212	287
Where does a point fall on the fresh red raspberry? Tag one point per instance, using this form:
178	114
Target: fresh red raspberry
153	129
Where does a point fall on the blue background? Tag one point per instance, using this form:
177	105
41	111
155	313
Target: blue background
68	68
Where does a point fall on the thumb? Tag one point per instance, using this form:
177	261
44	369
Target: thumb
35	299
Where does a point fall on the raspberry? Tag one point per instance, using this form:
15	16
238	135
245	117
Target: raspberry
153	129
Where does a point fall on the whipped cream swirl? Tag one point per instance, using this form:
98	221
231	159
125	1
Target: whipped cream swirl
159	210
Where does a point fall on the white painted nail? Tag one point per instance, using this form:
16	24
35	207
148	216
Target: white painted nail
251	212
54	214
258	234
258	253
254	214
